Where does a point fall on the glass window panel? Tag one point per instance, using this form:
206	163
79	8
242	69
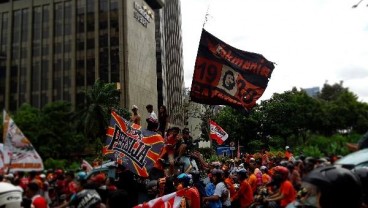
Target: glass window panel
4	29
45	49
90	43
67	18
44	74
36	76
58	12
58	48
16	25
67	46
15	52
44	99
45	22
23	53
37	16
90	71
35	101
24	29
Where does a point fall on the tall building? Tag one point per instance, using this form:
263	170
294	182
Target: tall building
169	54
54	50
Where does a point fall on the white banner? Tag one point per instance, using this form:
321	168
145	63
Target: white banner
19	154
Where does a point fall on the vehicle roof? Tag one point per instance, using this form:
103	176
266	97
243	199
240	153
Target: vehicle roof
354	158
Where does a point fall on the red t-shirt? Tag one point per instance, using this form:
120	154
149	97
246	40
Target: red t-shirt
70	188
289	193
39	202
192	195
171	141
23	183
244	194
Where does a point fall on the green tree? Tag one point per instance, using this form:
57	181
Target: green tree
51	130
58	132
288	115
27	118
238	126
93	116
340	111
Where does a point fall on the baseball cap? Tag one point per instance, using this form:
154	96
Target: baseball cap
134	107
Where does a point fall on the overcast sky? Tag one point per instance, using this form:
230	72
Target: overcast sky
311	41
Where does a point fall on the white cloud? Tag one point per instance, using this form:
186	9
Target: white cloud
311	41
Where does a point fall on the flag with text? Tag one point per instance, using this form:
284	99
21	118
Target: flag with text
18	152
128	144
217	133
224	75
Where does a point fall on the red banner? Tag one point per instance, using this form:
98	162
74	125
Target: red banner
224	75
173	200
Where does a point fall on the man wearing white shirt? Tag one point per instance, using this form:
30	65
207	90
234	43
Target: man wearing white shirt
152	120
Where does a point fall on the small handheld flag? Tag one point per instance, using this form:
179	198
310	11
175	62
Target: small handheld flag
217	133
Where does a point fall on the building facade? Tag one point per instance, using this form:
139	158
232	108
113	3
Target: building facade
54	50
169	60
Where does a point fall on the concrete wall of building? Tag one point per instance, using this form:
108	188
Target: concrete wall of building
140	58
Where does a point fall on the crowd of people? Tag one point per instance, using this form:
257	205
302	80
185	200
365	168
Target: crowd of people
245	182
250	181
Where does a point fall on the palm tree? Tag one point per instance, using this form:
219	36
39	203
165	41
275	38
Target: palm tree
93	116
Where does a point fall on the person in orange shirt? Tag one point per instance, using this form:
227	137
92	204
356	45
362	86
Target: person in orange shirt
191	193
288	154
168	151
244	196
287	193
252	180
266	178
229	181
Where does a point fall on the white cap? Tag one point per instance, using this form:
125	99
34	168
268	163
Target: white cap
134	107
287	147
42	175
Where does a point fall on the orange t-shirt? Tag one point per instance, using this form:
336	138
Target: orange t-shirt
266	178
289	193
192	195
288	154
252	180
230	185
244	194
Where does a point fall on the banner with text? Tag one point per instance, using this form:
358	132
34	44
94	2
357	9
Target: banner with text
18	152
128	144
224	75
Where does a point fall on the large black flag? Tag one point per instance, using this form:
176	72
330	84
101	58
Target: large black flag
224	75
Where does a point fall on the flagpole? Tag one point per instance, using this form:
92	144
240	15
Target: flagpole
238	152
209	132
5	132
207	14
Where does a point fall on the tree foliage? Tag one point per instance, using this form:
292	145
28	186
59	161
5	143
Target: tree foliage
293	118
57	132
